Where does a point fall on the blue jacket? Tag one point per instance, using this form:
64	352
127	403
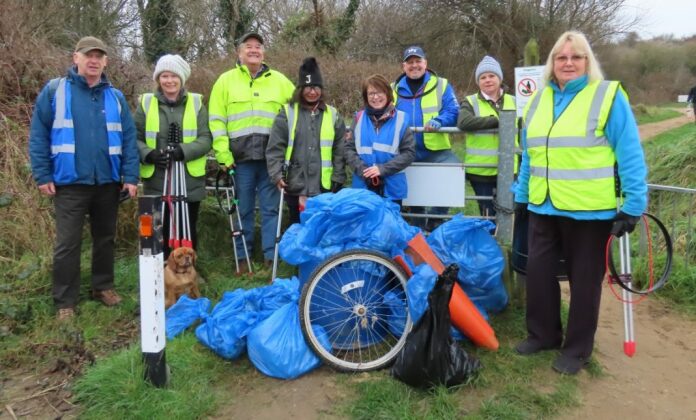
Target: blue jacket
622	133
92	162
447	116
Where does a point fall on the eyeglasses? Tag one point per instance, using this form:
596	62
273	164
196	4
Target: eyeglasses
575	58
375	94
314	88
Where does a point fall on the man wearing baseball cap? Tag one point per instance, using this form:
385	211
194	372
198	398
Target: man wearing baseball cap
83	152
243	104
430	102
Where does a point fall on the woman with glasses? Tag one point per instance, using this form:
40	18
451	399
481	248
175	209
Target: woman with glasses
380	146
304	155
580	147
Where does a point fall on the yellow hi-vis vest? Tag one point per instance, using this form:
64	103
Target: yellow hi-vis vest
150	105
326	139
240	106
482	145
571	160
430	107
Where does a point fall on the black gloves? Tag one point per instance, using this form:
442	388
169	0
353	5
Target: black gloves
624	223
520	210
336	186
176	154
159	158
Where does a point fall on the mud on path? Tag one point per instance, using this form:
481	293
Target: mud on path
650	130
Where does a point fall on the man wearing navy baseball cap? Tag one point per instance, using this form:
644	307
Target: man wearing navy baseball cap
430	102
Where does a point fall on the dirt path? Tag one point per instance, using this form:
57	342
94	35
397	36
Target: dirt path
650	130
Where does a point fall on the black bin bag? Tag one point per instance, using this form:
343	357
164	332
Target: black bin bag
430	356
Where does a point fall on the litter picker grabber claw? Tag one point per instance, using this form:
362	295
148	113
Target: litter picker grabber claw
625	277
228	205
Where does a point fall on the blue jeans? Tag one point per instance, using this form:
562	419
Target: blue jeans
439	156
252	177
485	189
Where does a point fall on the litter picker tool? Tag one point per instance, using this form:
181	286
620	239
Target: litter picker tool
228	205
280	222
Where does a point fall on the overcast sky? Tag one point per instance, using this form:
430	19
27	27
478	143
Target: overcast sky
661	17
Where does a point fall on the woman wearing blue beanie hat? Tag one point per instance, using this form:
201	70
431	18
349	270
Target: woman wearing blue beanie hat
478	116
156	111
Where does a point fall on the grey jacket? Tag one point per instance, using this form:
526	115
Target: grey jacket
304	171
169	113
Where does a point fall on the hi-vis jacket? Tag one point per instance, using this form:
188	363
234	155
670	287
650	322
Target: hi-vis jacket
574	140
189	128
242	109
82	134
482	145
382	146
315	147
435	99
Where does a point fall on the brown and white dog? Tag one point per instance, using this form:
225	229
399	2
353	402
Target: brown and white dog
180	277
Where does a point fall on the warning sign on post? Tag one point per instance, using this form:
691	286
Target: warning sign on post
527	81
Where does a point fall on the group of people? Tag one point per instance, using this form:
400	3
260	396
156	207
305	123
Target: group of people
579	141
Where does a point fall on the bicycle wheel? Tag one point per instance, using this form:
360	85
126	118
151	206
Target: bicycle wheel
354	310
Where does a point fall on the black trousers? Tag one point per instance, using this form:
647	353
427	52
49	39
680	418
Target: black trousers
72	204
193	217
582	244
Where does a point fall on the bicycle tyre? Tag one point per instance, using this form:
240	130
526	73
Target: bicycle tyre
358	298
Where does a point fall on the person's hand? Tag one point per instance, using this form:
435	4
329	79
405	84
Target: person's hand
159	158
176	154
371	172
281	184
624	223
521	210
131	188
433	125
336	186
48	189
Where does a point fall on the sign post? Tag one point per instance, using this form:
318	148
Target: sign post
151	263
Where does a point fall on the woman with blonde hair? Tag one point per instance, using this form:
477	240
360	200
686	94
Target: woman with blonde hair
580	146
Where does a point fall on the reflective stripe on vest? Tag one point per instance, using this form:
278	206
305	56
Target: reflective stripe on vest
430	108
571	160
63	133
150	105
482	145
380	146
326	139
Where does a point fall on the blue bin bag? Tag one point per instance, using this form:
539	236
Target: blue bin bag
184	313
352	218
226	328
397	311
468	243
277	347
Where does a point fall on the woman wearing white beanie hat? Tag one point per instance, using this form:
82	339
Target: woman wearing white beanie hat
478	116
155	114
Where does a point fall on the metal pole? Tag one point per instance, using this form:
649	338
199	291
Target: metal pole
506	172
277	238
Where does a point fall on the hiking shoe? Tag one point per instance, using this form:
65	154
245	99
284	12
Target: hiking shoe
65	314
568	365
243	266
529	346
108	297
